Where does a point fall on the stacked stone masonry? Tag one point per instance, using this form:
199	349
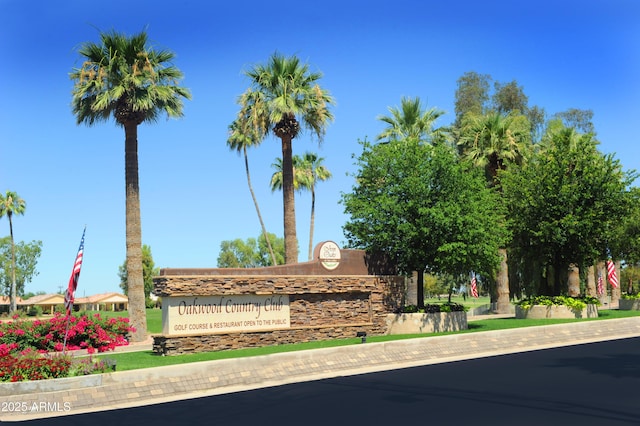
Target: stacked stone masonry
321	307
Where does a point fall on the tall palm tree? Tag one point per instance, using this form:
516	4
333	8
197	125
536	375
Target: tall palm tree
10	204
122	77
293	100
493	141
410	121
245	132
315	172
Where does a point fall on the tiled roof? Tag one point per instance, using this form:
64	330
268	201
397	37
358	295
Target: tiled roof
44	299
102	298
6	300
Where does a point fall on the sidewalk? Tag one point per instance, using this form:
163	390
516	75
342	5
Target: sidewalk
116	390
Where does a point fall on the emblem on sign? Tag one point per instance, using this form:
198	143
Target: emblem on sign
329	255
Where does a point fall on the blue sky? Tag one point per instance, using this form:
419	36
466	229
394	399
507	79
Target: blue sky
194	194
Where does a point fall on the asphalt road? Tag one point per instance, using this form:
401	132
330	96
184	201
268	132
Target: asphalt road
589	384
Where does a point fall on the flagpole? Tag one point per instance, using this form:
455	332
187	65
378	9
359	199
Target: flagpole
71	288
66	333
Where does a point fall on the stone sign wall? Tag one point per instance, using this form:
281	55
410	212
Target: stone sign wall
207	310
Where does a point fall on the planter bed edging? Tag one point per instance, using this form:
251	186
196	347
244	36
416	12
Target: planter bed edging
556	312
426	323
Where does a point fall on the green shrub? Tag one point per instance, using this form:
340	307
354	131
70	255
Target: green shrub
34	311
433	308
631	296
579	302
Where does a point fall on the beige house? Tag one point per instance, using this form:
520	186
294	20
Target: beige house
103	302
5	303
46	302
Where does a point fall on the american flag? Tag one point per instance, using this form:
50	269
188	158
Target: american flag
611	274
75	275
600	288
474	286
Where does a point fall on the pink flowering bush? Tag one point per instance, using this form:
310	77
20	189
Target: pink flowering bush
93	333
25	345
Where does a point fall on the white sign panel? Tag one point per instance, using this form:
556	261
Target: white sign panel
222	314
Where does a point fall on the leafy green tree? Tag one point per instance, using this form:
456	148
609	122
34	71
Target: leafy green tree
18	264
566	204
10	204
122	77
509	98
30	294
409	121
315	172
149	271
472	95
250	253
537	117
245	132
629	275
291	99
579	119
277	245
238	253
423	208
626	244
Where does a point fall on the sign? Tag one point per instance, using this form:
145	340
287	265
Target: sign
329	255
223	314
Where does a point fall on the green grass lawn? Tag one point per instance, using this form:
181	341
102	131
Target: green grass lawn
154	318
148	359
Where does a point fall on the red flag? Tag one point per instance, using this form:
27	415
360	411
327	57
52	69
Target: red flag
600	288
474	286
75	275
611	274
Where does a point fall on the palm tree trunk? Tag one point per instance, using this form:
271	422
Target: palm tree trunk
420	290
288	202
313	207
13	302
573	281
591	281
616	291
502	285
135	280
602	271
255	203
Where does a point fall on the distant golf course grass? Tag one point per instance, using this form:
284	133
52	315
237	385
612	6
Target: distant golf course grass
148	359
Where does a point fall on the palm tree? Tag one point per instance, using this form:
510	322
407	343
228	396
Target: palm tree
300	174
10	204
123	78
243	133
493	141
315	172
293	99
410	121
